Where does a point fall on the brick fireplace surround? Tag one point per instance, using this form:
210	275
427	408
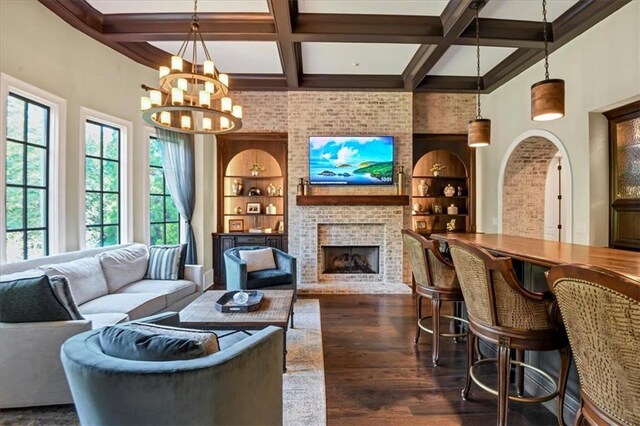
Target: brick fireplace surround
399	114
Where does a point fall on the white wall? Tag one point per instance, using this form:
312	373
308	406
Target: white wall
601	68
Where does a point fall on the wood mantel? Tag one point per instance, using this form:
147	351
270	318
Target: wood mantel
352	200
552	253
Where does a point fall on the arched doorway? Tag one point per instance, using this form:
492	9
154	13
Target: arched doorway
534	195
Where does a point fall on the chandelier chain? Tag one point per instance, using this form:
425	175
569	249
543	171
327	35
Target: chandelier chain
546	40
479	115
195	11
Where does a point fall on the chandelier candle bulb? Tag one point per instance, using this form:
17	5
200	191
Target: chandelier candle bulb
209	87
163	71
224	123
208	67
206	123
225	104
185	122
165	118
183	84
145	103
176	63
237	111
177	96
224	79
156	97
205	99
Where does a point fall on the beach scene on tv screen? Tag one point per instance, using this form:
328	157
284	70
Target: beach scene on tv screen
351	160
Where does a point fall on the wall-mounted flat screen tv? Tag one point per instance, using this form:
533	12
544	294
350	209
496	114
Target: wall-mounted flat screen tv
351	160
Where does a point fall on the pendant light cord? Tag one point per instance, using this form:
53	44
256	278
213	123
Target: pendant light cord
546	40
479	115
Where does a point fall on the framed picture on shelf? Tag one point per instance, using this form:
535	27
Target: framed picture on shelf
236	225
421	225
254	208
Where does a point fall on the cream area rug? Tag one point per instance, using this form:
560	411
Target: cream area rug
303	384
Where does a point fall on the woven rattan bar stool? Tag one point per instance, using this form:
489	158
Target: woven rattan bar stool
502	312
435	278
601	312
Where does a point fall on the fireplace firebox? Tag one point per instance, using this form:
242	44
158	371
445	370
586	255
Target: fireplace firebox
351	259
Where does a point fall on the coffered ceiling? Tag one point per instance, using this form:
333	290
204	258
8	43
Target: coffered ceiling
420	45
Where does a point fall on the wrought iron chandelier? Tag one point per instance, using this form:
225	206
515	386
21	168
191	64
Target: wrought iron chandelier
191	101
479	129
547	96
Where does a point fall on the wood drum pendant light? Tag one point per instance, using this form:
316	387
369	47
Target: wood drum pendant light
479	129
547	96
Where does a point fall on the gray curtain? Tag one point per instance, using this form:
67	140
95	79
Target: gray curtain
179	173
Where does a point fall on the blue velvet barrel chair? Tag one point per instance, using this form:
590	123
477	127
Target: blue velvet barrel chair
239	385
283	277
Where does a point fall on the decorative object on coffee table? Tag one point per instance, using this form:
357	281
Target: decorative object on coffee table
449	191
236	225
254	208
236	187
247	301
423	188
437	168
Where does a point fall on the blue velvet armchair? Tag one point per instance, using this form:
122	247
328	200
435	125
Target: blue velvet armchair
239	385
281	278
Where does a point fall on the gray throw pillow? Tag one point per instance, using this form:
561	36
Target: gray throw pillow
30	300
136	344
62	290
164	262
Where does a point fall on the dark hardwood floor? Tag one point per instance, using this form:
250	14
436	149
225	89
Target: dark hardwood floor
375	374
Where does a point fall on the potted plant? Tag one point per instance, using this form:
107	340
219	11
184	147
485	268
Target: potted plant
437	168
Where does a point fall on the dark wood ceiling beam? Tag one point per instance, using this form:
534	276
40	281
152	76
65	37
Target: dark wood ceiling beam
577	19
239	82
505	33
455	18
351	82
290	52
448	84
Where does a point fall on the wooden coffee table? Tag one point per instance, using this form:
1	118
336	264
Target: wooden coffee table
276	309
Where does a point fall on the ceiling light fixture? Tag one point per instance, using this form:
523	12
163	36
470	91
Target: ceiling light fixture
192	101
479	129
547	96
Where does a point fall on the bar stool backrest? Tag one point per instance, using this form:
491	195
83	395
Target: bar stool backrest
601	312
492	292
429	267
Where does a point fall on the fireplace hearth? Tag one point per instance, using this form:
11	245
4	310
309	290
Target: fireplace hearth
351	259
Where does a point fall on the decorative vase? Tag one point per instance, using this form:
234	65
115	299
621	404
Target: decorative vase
452	209
449	191
271	190
271	209
306	188
417	207
459	191
236	187
436	173
423	188
254	173
400	182
280	192
300	188
238	210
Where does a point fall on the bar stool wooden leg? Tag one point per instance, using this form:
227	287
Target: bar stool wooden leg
471	346
504	368
419	315
435	312
520	373
565	359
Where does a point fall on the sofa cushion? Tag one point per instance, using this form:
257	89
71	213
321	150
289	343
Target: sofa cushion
267	278
128	342
30	300
29	273
164	262
85	277
106	320
257	260
173	291
136	305
124	266
60	286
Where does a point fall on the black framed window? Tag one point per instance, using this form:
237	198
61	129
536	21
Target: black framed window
164	218
27	179
102	184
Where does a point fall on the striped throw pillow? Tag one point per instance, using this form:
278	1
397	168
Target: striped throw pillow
164	262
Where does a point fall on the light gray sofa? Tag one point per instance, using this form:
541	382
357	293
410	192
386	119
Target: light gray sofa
109	287
239	385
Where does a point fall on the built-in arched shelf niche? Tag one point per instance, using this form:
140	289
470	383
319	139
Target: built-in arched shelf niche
241	162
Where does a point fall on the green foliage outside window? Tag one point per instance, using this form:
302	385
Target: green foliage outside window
27	168
102	185
164	218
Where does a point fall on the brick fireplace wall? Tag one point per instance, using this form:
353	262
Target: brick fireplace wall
303	113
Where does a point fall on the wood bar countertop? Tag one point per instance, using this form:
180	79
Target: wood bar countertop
551	253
